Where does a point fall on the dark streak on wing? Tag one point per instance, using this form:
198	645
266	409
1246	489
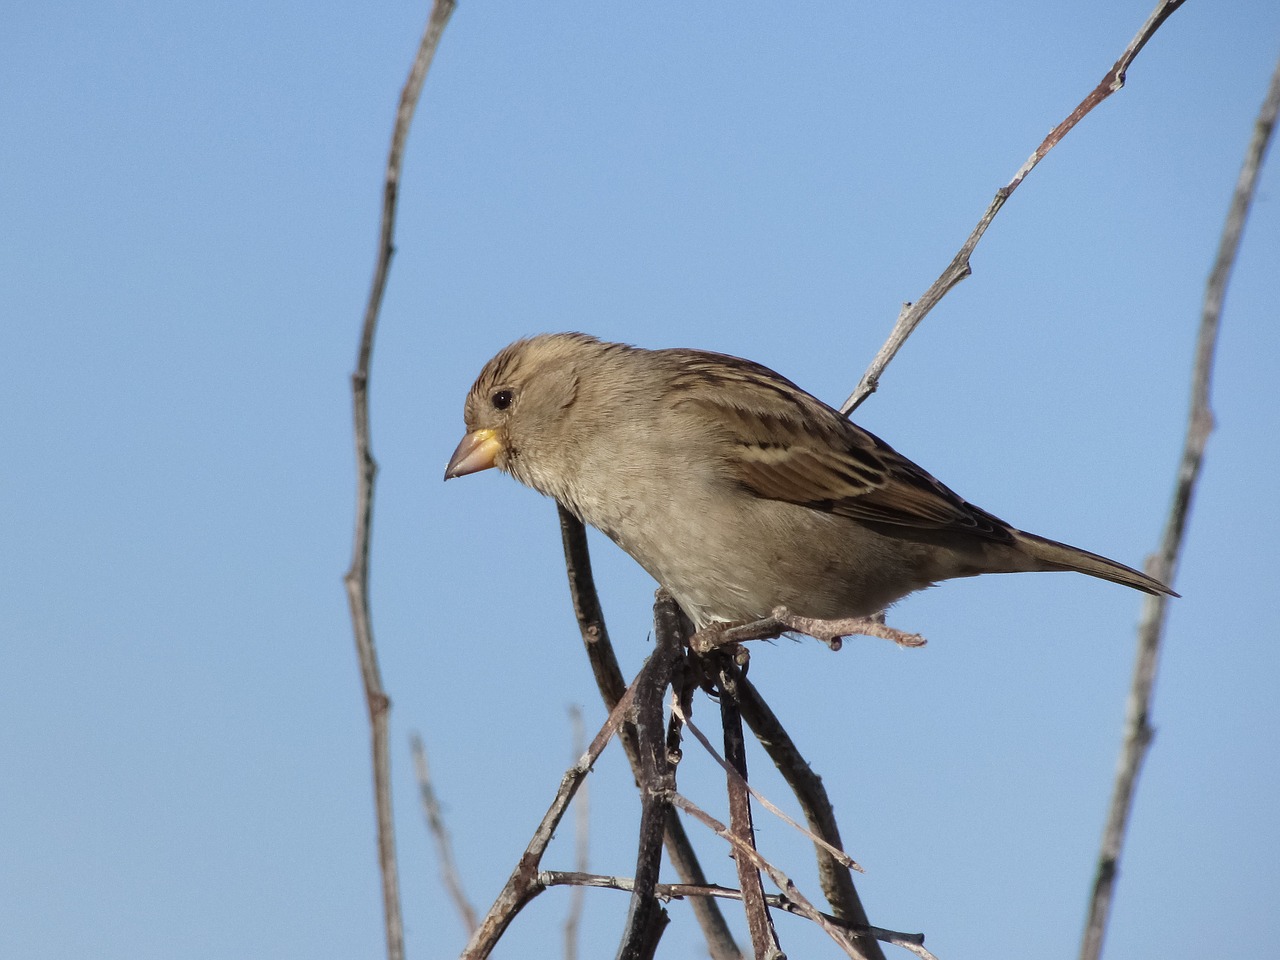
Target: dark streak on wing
836	467
706	376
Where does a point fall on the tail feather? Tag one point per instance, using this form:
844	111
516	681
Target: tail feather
1053	555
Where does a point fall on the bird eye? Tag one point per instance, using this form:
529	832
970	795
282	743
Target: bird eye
501	400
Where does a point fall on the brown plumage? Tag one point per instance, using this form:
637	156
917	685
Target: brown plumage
738	491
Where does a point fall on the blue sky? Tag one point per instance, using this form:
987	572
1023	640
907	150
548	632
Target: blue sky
189	210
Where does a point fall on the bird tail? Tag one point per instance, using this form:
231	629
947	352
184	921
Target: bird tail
1053	555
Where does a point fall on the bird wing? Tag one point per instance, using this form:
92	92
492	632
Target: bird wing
781	443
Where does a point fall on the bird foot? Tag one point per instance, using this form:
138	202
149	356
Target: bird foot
718	636
833	632
830	632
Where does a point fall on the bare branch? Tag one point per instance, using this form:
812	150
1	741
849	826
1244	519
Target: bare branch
646	918
1138	731
444	844
357	576
608	674
764	938
679	891
586	608
912	314
837	884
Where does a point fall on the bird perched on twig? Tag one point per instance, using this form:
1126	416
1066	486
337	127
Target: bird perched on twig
735	489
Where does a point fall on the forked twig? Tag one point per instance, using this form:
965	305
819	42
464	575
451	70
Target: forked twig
836	882
1138	731
646	918
912	313
357	576
608	674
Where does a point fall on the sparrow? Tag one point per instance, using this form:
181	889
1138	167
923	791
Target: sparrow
738	491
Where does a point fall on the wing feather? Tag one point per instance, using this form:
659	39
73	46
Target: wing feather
783	444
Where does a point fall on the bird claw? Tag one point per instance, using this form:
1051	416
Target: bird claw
714	636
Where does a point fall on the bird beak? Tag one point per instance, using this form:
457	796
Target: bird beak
476	452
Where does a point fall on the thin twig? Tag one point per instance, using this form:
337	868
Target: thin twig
581	837
444	844
1138	731
604	664
837	883
784	883
680	891
912	313
764	801
357	576
764	938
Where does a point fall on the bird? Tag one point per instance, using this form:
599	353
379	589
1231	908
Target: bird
739	492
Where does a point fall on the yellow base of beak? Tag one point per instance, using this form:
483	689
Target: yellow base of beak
477	451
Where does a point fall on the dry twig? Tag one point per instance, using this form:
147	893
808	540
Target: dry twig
764	801
1138	731
913	313
764	938
646	918
357	576
784	883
